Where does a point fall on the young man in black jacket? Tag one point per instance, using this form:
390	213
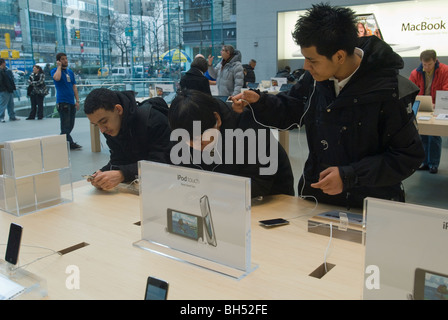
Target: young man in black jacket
361	131
132	133
214	138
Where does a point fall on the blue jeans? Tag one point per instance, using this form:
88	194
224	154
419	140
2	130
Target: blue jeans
67	114
7	102
433	150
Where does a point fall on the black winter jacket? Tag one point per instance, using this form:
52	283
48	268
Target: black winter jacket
194	79
7	81
368	131
282	182
249	74
144	135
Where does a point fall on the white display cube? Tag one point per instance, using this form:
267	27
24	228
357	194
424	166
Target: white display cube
54	152
48	186
25	157
47	183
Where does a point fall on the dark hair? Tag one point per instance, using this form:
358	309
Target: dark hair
2	61
60	55
428	55
229	48
39	68
192	105
327	28
100	98
200	63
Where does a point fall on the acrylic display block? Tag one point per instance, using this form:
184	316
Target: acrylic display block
54	152
23	157
27	286
36	174
198	217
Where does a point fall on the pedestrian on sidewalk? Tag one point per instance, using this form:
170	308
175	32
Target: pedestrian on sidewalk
7	88
37	90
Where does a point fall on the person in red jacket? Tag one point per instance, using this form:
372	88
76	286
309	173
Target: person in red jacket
430	76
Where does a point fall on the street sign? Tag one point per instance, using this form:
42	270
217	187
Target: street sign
21	64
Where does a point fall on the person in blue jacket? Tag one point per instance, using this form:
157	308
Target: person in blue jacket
67	99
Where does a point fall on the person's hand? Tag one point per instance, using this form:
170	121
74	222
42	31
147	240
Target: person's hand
243	99
210	60
77	105
107	180
330	181
58	64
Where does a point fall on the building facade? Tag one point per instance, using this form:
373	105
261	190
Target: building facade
97	33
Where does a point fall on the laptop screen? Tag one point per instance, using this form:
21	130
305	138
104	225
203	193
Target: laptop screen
441	105
368	26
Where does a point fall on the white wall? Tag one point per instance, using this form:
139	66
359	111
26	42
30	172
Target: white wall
257	24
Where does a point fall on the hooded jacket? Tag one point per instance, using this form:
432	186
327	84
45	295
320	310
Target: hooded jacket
144	135
229	76
282	182
368	131
439	80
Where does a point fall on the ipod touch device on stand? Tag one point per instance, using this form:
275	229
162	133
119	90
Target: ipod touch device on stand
208	222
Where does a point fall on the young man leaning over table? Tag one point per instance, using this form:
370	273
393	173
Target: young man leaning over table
133	132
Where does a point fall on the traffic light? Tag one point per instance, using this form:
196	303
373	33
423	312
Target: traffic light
77	34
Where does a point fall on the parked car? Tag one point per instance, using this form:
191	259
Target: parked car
140	72
120	73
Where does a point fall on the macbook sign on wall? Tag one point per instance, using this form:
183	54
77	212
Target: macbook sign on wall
408	26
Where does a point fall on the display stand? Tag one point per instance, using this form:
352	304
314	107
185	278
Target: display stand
36	174
188	258
28	286
405	255
198	217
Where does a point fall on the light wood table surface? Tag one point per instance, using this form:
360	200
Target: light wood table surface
111	267
432	127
